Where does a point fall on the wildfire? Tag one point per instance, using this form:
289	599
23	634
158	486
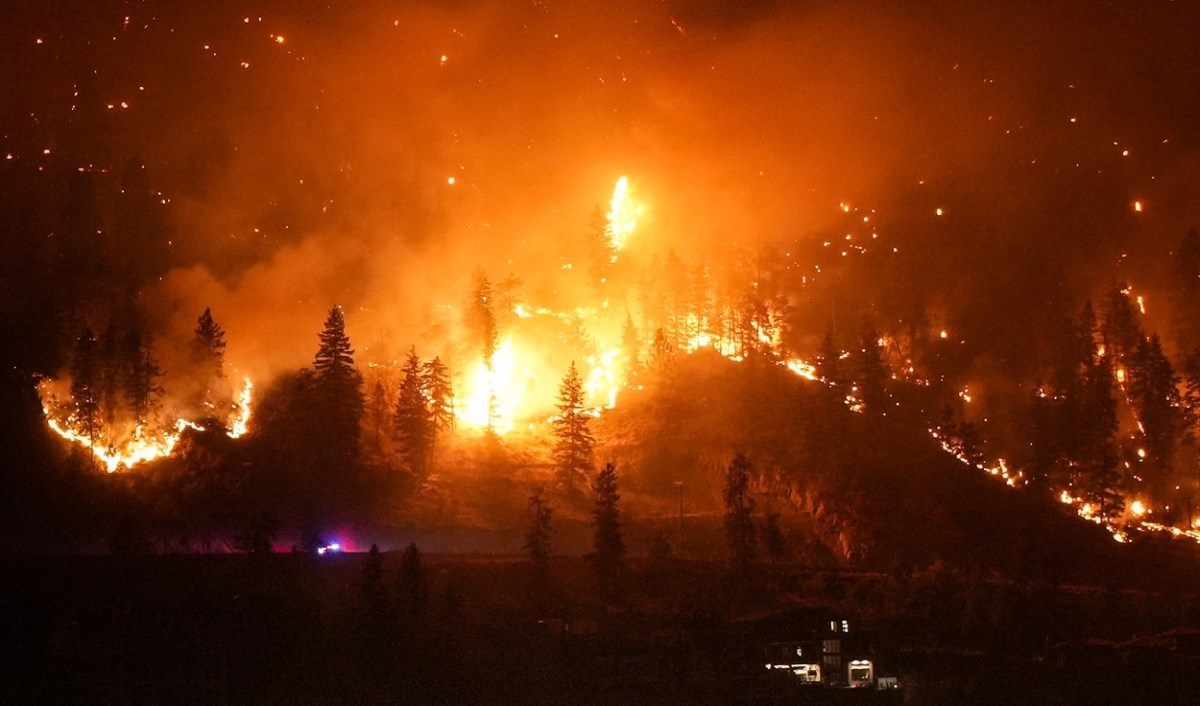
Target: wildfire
603	381
493	395
144	444
623	214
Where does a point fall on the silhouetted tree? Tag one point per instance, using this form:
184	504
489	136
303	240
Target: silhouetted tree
573	440
85	384
537	538
870	371
606	521
380	418
774	542
1100	477
371	589
484	315
1185	297
208	346
740	532
1154	391
142	392
410	586
829	363
208	359
413	420
337	388
1119	330
437	387
257	534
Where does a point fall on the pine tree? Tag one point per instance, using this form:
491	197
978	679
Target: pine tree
1154	391
773	540
573	439
410	587
208	359
109	377
606	521
631	345
1185	294
739	510
436	383
413	419
337	389
141	372
1100	477
662	354
1119	330
85	384
484	315
208	347
1191	392
380	418
371	590
829	362
537	538
871	373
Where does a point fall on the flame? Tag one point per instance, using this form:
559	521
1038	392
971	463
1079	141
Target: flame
493	395
623	214
144	444
240	424
603	380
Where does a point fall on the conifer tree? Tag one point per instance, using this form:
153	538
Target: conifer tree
436	383
871	373
372	593
606	520
773	540
410	588
829	363
1154	391
142	392
537	538
208	346
1119	330
85	384
1100	477
631	346
337	388
414	421
573	440
740	532
484	314
208	360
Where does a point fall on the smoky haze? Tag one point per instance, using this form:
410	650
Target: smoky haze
306	151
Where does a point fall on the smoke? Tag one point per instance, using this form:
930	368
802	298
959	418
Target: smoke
376	157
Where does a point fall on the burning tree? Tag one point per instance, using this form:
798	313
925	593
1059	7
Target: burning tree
208	357
484	315
85	384
573	439
739	510
337	388
606	518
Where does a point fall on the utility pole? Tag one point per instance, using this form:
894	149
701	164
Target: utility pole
679	485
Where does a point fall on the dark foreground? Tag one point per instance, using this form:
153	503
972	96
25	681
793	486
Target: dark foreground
303	629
